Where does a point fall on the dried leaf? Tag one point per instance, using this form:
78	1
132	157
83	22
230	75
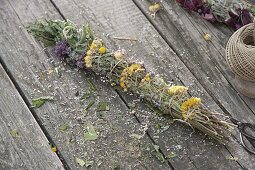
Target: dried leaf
14	133
80	162
103	106
63	127
89	105
158	154
91	134
232	158
38	102
136	136
171	155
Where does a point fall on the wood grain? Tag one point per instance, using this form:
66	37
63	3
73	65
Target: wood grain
123	19
38	74
23	145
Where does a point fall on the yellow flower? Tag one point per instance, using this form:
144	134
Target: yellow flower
175	90
154	8
54	149
191	104
147	77
88	61
118	55
89	52
95	44
134	68
102	50
207	37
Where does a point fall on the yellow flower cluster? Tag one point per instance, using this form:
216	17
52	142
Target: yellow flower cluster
128	72
188	107
95	46
177	90
146	78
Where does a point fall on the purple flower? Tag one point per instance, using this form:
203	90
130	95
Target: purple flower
190	4
206	12
80	62
238	19
61	49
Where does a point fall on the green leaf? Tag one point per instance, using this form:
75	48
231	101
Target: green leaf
103	106
89	105
38	102
80	162
14	133
91	134
253	10
136	136
171	155
63	127
158	154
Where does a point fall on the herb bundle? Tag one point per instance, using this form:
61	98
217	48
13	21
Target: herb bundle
234	13
79	47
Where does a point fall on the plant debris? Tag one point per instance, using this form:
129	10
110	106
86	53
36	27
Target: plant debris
91	134
38	102
103	106
80	162
63	127
14	133
158	154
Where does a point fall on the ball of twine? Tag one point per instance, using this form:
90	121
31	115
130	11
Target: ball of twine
240	53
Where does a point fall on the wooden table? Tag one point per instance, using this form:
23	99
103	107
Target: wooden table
171	44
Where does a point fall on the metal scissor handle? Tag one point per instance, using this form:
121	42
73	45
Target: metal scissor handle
246	130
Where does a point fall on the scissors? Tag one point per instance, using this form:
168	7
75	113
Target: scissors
246	131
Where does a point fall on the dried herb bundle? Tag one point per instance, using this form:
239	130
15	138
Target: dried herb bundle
79	47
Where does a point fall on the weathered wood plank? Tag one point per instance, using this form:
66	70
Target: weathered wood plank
184	32
37	74
123	19
23	144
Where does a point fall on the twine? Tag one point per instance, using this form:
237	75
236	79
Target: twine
240	53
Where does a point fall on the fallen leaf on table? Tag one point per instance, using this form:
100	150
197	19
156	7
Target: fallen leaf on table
14	133
171	155
80	161
63	127
136	136
89	105
103	106
156	152
232	158
38	102
91	134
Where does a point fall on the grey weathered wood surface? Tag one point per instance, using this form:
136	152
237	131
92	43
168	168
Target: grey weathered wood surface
118	18
121	19
23	145
35	72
